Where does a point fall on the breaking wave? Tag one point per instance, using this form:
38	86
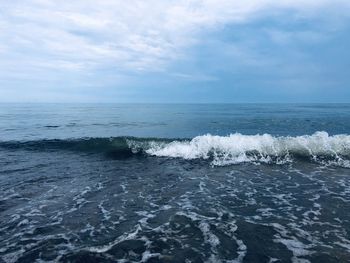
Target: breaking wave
238	148
219	150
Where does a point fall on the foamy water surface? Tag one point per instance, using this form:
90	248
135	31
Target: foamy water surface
180	183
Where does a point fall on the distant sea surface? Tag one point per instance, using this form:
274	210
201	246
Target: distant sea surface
174	182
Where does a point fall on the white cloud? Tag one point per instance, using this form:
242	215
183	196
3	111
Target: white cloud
130	35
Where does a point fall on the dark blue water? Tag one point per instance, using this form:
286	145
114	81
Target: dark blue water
60	121
174	183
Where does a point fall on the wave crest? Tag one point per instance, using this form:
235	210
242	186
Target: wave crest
219	150
237	148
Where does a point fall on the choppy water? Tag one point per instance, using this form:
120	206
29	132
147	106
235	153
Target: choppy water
174	183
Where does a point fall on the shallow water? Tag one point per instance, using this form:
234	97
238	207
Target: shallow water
93	200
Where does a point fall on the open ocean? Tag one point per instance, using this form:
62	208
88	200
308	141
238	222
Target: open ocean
175	183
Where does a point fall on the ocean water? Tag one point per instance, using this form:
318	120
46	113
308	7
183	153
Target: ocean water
175	183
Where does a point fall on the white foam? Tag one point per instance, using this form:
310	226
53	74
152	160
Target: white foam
298	249
125	236
148	255
210	238
237	148
106	214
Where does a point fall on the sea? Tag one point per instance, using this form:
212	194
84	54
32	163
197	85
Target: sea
175	183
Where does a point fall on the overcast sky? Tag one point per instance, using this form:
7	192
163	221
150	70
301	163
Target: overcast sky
175	51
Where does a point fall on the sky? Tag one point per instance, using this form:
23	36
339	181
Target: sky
163	51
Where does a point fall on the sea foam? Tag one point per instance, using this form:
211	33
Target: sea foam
237	148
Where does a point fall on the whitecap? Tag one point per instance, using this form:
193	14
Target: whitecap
237	148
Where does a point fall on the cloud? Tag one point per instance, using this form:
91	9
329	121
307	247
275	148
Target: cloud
155	50
130	35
